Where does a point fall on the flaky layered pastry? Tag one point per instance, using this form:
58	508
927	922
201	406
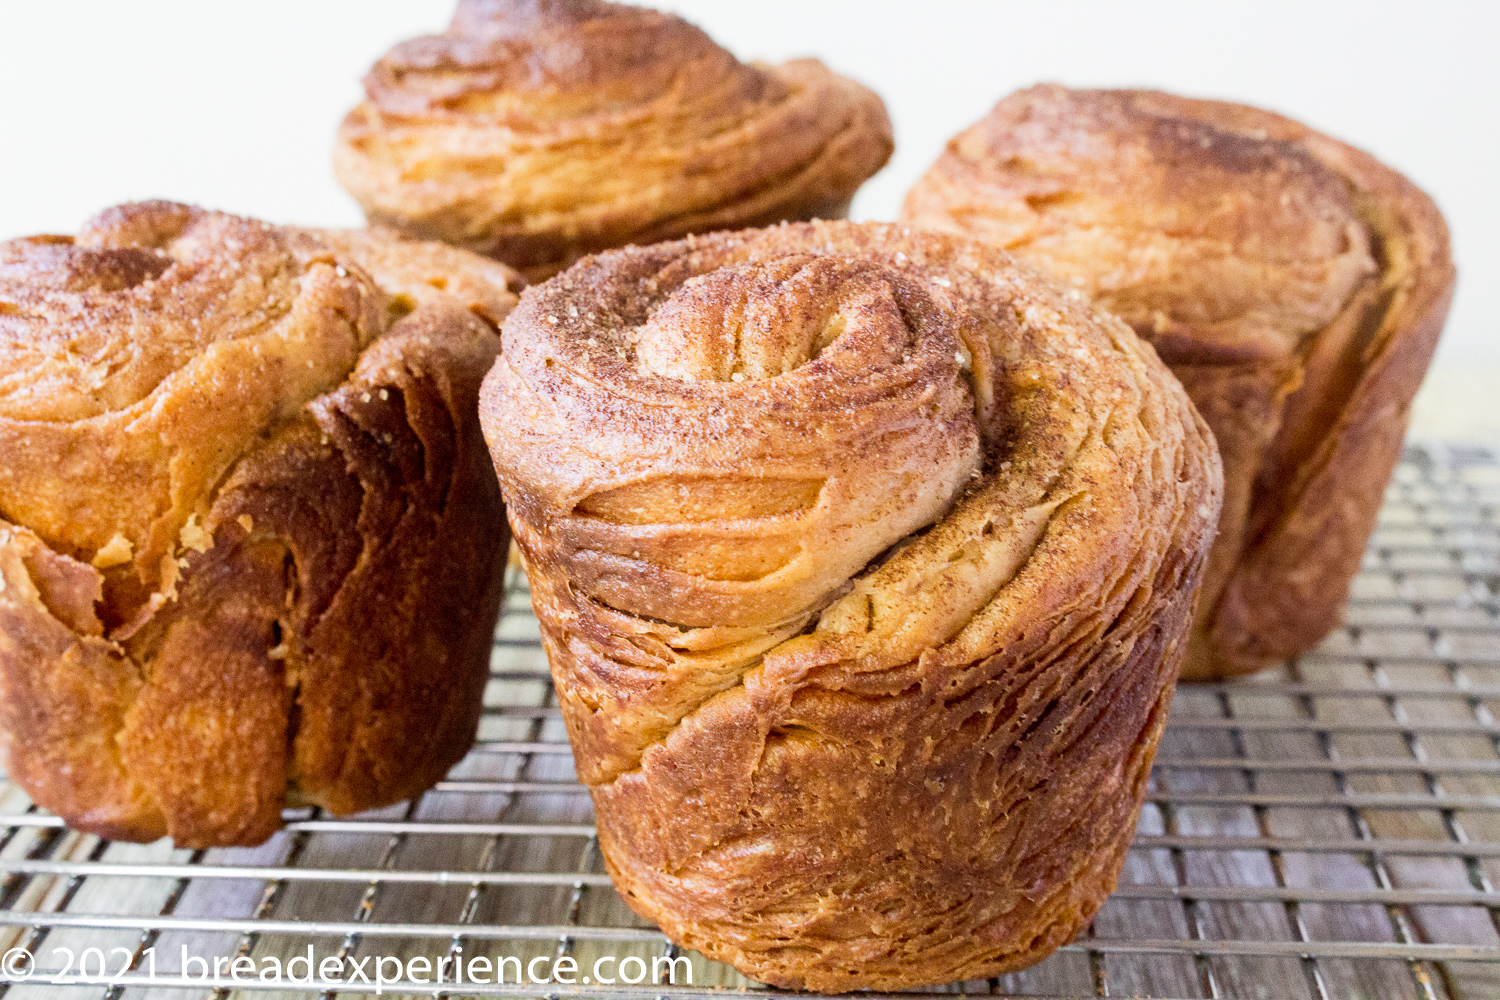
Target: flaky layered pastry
1296	286
536	131
863	561
249	541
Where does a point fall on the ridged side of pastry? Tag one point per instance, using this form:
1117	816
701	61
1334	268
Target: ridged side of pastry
537	131
864	562
1294	284
250	543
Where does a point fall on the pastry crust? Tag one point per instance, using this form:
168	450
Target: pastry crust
251	547
537	131
864	562
1294	284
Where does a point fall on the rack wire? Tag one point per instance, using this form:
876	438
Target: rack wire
1328	829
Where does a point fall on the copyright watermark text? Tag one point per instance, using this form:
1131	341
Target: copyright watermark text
96	966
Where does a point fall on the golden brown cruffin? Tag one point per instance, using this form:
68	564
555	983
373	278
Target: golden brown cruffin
251	548
864	561
1295	285
537	131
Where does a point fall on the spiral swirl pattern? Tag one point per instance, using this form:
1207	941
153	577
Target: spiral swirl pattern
536	131
863	560
220	440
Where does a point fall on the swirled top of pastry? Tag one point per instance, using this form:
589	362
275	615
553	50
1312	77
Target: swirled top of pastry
727	431
540	130
140	359
1207	226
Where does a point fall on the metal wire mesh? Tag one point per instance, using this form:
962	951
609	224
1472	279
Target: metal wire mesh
1328	829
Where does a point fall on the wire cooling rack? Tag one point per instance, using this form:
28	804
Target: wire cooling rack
1327	830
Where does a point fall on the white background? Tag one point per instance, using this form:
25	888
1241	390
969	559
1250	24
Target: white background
234	105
